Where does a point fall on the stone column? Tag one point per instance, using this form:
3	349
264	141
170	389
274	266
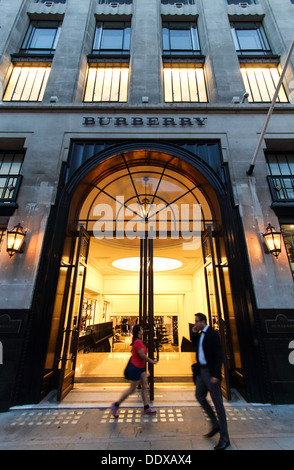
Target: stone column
222	64
75	41
145	65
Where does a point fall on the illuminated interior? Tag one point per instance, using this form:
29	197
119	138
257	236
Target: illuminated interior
261	83
107	84
111	293
159	264
27	84
184	84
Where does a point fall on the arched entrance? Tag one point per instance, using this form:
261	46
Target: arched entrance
153	206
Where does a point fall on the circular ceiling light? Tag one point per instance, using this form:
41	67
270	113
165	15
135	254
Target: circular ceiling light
159	264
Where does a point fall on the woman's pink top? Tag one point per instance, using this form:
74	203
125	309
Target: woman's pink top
136	359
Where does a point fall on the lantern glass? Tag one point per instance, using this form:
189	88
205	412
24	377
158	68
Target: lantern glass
15	239
272	240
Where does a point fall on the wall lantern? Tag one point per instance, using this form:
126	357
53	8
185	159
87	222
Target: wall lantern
15	239
272	240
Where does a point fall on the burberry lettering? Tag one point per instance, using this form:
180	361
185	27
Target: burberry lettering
143	121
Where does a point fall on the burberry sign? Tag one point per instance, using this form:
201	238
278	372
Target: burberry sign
150	121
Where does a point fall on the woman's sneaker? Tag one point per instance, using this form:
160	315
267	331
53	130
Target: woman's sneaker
114	409
149	411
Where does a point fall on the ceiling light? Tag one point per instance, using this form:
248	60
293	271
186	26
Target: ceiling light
159	264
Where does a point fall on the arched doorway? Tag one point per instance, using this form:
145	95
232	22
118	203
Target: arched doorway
97	303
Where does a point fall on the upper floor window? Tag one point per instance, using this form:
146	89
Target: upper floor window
184	83
261	83
107	83
180	38
288	236
2	235
27	83
112	38
178	2
281	164
51	1
41	37
237	2
114	3
249	38
281	176
10	177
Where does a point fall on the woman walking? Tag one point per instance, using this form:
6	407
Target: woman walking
137	372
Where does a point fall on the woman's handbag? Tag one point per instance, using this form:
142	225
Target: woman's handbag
126	369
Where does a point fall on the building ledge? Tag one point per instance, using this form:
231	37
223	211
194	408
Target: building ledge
229	108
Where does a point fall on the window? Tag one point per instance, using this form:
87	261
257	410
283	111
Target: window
112	38
184	84
249	39
281	179
107	83
41	37
180	39
27	83
178	2
238	2
114	3
261	82
51	1
288	236
10	168
2	234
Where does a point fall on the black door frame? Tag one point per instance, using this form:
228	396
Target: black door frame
146	302
30	384
70	330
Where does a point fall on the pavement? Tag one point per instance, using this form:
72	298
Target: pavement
83	421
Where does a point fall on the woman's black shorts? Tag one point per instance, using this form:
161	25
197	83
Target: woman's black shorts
134	373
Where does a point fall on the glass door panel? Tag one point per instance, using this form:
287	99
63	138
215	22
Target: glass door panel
72	318
214	303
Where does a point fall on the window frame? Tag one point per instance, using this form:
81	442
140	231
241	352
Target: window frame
27	82
261	80
237	2
168	27
31	35
2	235
184	83
11	163
257	26
281	175
99	83
101	27
289	245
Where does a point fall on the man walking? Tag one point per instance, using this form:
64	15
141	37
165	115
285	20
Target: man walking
208	378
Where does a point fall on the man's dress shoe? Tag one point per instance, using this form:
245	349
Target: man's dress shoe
222	445
212	432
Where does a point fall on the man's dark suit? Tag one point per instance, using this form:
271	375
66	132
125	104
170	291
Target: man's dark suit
212	351
213	355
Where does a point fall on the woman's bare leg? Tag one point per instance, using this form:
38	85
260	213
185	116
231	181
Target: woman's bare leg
144	391
128	392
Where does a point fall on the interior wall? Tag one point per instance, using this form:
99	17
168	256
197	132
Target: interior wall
175	295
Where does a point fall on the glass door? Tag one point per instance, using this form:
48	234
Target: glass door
216	311
72	320
146	302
